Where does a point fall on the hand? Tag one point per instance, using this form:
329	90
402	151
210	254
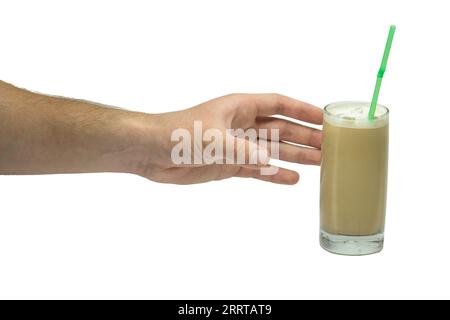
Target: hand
231	112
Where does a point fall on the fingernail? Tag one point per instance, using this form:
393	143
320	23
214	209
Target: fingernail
319	138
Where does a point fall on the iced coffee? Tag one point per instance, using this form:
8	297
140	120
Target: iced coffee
353	178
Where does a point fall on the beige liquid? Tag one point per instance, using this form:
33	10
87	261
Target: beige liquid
353	179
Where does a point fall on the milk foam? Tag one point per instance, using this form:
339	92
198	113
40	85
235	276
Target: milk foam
355	115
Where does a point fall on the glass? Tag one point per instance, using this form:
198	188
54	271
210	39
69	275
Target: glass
353	178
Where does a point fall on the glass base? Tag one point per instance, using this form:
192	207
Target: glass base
351	245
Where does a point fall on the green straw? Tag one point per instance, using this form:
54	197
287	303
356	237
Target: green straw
381	71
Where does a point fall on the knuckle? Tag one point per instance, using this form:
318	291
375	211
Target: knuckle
286	130
279	102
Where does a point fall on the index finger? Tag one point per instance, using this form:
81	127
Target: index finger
269	104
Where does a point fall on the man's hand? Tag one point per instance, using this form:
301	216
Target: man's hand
297	143
42	134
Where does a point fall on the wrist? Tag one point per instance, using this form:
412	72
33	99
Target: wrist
141	135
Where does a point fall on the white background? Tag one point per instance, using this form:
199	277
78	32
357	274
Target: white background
121	236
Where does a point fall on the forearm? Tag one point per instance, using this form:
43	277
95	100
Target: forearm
44	134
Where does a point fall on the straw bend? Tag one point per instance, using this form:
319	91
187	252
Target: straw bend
381	71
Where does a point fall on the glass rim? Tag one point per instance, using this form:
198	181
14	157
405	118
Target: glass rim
337	103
